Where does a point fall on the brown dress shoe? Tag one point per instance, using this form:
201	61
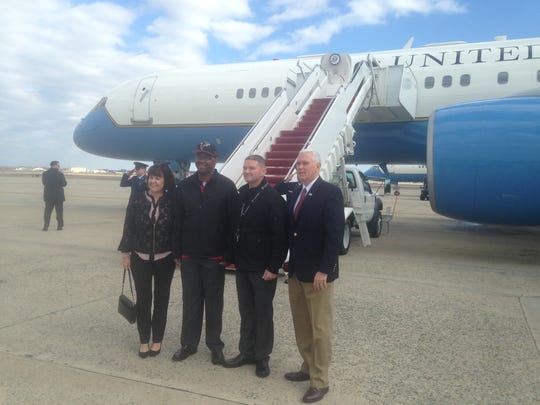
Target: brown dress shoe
297	376
314	394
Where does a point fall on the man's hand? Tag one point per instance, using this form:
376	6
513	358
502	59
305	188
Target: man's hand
268	275
319	282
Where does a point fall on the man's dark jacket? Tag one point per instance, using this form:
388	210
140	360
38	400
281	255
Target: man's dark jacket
316	235
54	182
206	217
262	236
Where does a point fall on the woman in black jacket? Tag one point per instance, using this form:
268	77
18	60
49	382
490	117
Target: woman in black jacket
147	251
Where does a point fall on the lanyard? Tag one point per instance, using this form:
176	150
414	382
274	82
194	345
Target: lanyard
245	208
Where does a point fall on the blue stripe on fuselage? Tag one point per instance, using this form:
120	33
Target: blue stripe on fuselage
391	142
400	142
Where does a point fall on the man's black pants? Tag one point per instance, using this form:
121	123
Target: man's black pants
203	282
255	297
59	207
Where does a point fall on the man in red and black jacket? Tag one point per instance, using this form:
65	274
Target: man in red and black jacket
206	208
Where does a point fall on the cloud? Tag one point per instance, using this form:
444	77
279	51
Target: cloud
289	10
59	57
328	21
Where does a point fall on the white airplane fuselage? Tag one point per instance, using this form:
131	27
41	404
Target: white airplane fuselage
476	87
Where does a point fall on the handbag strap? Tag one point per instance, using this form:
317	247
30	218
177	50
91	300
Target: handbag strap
130	283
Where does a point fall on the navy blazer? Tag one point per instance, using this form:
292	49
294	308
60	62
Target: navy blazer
316	235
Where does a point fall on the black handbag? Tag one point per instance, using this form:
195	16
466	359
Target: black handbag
126	306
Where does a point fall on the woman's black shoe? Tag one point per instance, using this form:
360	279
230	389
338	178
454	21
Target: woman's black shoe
144	355
154	353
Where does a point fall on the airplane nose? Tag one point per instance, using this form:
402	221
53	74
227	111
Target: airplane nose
86	134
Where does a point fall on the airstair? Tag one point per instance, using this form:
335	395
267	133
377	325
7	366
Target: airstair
316	112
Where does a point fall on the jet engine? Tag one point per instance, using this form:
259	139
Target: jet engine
483	161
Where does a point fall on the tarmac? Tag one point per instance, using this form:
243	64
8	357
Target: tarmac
435	311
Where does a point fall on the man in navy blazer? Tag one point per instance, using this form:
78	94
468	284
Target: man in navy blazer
316	224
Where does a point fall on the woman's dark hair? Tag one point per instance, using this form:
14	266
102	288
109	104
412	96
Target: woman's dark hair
163	170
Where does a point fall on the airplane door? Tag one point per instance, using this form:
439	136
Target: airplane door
141	101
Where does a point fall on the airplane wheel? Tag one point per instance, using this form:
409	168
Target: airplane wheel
396	193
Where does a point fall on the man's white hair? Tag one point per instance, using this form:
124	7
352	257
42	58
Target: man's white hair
314	153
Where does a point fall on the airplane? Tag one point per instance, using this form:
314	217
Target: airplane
392	175
473	119
397	173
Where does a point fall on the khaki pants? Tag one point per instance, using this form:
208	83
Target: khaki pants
312	313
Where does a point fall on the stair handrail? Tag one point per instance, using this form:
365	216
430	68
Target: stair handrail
342	113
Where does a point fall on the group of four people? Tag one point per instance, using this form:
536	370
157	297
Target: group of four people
204	223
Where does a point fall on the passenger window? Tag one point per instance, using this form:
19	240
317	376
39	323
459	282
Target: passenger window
277	91
252	92
367	187
429	82
240	93
465	80
265	91
351	183
538	76
502	78
447	81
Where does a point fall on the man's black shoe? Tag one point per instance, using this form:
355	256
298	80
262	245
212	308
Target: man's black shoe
262	369
238	361
314	394
183	353
297	376
217	356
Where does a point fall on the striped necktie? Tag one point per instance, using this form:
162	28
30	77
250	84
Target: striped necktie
300	202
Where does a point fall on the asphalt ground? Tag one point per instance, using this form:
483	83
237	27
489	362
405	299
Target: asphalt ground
435	311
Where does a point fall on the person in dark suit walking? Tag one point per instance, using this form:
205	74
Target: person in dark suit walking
316	224
53	194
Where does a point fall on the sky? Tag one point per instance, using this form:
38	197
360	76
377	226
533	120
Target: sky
59	57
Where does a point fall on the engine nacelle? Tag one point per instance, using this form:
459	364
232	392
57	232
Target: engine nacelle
483	161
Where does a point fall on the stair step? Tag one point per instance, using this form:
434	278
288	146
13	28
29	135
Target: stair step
305	126
281	154
296	132
273	180
279	162
287	146
277	171
291	139
314	119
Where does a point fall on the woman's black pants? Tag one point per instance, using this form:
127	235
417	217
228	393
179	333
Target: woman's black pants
143	271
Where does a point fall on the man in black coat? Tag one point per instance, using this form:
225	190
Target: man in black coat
260	248
316	224
206	208
53	194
